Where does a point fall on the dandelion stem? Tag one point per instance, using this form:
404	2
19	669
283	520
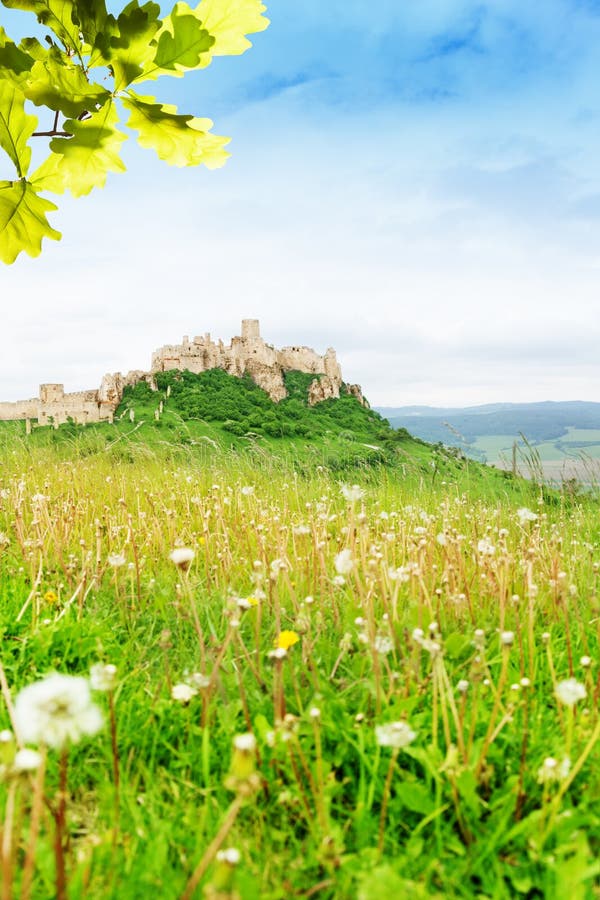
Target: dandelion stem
213	848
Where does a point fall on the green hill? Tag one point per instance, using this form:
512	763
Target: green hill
196	416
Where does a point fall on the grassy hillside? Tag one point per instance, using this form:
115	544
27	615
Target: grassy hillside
198	417
407	738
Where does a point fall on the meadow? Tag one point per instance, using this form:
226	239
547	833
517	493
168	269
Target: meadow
293	681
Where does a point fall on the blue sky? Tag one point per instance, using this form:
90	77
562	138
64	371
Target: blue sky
416	183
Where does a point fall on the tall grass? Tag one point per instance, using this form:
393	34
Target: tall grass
436	601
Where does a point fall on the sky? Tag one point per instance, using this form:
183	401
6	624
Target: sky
413	182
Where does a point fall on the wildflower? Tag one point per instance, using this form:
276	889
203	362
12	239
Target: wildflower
51	597
116	560
507	638
401	574
441	539
352	493
526	515
343	562
246	743
485	547
183	693
56	711
394	734
314	712
278	653
199	681
242	777
383	645
182	557
247	490
103	677
462	686
231	856
570	691
26	760
552	770
585	661
338	581
286	639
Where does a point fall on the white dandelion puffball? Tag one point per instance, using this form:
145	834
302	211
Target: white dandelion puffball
394	734
56	711
103	677
116	560
183	693
26	760
343	562
525	515
352	492
182	557
570	691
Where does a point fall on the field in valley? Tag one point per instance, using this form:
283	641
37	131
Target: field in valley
368	683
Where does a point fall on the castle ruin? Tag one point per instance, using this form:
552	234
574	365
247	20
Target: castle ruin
245	354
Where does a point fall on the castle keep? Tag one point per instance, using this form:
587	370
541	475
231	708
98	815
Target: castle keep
246	354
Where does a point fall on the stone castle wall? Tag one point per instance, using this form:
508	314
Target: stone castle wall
245	354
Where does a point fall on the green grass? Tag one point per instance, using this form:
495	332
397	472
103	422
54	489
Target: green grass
460	812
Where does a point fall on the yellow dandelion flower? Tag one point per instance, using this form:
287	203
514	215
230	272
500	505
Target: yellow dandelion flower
286	640
51	597
251	601
202	541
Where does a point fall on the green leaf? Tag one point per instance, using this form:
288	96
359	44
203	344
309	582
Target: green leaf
23	221
229	21
16	127
55	14
129	44
180	140
82	162
91	18
416	797
181	43
61	85
14	63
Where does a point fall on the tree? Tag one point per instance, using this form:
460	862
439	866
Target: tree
86	77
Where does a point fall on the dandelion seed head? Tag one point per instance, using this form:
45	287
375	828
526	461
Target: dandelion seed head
103	677
570	691
526	515
26	760
394	734
343	562
245	743
116	560
182	557
183	693
231	856
56	711
352	493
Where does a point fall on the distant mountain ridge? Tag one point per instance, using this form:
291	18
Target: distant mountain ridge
566	425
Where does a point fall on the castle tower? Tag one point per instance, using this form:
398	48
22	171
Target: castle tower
250	329
52	393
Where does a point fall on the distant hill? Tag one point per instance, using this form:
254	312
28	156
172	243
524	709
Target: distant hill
557	430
